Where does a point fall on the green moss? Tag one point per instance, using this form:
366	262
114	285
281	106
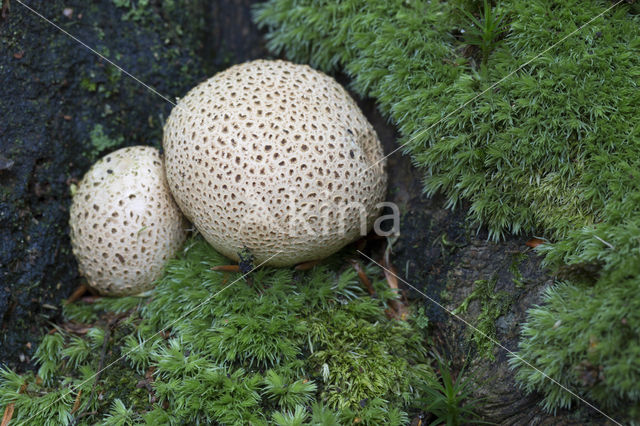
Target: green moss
537	139
492	306
205	347
88	85
136	10
587	340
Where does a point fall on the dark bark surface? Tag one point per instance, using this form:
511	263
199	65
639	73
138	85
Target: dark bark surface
53	95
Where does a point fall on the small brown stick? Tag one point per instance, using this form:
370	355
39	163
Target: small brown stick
77	294
226	268
8	412
76	328
363	276
534	242
103	353
305	266
391	275
105	343
146	383
5	12
76	403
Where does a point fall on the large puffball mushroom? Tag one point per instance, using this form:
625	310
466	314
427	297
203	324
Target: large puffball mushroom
275	158
124	223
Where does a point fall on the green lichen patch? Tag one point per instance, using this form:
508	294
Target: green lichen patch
492	306
205	346
514	268
101	142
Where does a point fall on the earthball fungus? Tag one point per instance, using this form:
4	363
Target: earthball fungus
124	223
275	158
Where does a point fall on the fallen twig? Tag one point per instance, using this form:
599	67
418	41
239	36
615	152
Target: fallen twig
362	276
226	268
391	274
5	13
76	403
305	266
8	412
77	294
534	242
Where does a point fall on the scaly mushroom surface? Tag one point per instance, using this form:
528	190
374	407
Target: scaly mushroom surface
275	158
124	223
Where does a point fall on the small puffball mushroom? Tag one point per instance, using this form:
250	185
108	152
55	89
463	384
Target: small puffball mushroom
275	158
124	223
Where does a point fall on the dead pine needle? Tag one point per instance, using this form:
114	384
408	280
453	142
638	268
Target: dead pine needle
8	412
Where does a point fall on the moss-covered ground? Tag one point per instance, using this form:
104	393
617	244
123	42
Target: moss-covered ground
205	346
528	110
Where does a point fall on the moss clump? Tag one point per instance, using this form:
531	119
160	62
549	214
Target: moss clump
205	348
535	138
586	340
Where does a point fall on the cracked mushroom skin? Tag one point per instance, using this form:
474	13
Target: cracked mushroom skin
275	158
124	222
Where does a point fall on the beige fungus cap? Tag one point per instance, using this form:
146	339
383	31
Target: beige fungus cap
124	223
276	158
